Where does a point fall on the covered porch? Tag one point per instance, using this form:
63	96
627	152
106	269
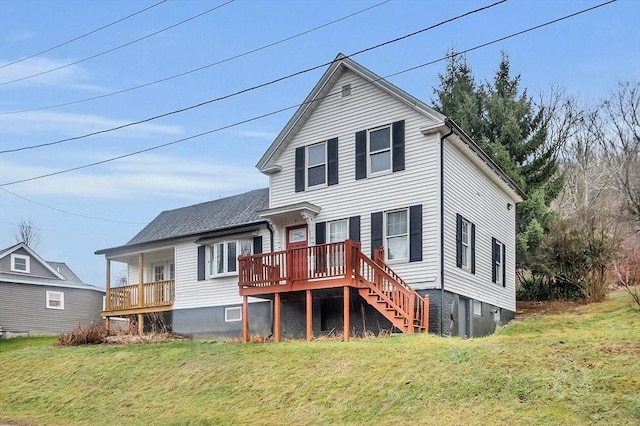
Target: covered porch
147	287
339	265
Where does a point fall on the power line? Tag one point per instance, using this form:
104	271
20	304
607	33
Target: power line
118	47
83	35
220	98
182	74
155	147
68	212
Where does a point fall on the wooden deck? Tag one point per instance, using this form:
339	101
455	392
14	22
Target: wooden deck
140	298
336	265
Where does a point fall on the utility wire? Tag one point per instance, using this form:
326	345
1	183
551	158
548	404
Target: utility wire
202	67
118	47
313	100
68	212
220	98
83	35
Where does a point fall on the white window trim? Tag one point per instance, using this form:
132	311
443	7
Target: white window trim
212	258
325	165
497	264
48	299
477	308
27	260
386	237
333	222
369	153
466	256
232	309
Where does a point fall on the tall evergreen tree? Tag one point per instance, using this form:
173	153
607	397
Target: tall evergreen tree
504	121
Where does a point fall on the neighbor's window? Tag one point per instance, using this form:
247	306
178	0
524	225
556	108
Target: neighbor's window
317	164
55	300
397	241
380	150
20	263
223	256
233	314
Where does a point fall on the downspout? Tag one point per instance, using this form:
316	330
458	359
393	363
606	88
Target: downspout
442	227
273	314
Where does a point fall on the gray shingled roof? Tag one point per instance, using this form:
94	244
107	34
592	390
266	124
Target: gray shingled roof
205	217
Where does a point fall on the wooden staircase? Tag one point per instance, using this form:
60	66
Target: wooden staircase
390	295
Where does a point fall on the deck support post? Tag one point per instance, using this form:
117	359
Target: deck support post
347	304
107	299
245	319
309	316
276	317
140	291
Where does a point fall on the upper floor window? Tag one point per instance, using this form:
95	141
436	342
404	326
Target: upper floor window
498	256
380	150
465	244
223	256
397	235
20	263
55	300
317	164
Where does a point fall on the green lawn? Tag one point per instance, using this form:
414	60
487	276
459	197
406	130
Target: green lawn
572	369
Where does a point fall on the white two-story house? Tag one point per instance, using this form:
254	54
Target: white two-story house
381	213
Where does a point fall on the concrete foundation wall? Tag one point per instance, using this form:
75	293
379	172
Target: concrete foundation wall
201	322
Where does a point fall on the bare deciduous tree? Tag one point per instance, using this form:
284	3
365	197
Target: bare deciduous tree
620	142
27	232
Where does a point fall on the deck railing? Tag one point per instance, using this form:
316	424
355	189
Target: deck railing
155	294
295	265
327	261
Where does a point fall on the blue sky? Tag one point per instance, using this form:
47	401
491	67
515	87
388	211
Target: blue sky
587	55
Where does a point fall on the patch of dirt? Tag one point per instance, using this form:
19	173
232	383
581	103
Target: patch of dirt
128	339
532	309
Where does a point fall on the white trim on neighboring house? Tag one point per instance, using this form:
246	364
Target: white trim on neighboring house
33	255
54	300
17	264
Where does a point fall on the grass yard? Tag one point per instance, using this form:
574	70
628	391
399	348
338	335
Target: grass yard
577	368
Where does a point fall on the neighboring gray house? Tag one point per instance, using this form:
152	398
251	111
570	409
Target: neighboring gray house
43	298
380	213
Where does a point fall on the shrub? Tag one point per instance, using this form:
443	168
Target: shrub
93	334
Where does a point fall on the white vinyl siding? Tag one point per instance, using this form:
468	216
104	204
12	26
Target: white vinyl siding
369	108
471	193
219	291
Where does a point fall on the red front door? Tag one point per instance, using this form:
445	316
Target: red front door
297	240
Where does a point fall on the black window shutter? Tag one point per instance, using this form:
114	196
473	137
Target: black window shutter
473	248
332	161
398	145
354	228
201	262
257	245
321	232
300	166
458	240
504	267
376	232
494	258
361	154
415	233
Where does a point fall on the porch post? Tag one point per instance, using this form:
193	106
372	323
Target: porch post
107	300
140	292
309	316
347	304
245	319
276	317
